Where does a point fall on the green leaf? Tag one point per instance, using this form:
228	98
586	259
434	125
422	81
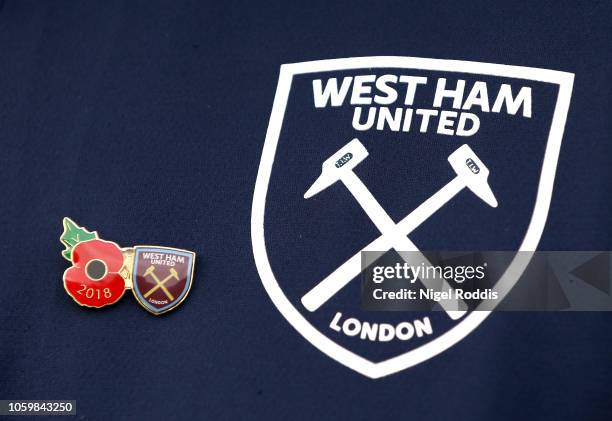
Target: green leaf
73	235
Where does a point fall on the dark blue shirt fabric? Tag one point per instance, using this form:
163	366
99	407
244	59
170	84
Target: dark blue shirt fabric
145	121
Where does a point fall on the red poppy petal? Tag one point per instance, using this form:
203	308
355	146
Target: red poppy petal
89	293
75	275
106	251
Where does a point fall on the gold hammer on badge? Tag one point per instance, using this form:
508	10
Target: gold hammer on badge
160	283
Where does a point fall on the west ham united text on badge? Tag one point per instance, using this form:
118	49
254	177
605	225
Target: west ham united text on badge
159	277
400	156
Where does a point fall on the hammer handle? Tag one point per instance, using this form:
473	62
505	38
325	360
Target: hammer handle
350	269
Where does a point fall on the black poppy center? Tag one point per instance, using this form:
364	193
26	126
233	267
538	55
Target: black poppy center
96	269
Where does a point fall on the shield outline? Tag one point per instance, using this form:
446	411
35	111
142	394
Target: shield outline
188	279
530	242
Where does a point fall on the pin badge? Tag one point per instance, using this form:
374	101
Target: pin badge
159	277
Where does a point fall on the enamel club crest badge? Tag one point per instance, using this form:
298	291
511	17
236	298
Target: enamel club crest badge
101	271
161	277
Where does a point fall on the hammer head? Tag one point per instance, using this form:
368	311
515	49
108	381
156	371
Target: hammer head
174	273
149	270
343	161
473	173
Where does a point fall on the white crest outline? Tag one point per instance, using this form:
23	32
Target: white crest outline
510	276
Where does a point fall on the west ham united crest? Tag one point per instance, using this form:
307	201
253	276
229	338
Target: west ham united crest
161	277
101	271
392	155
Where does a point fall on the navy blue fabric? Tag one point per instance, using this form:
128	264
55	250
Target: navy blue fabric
145	121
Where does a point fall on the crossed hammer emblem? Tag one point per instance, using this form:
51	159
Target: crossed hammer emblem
471	173
160	283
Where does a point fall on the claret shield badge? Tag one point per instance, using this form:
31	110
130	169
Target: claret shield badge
161	277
